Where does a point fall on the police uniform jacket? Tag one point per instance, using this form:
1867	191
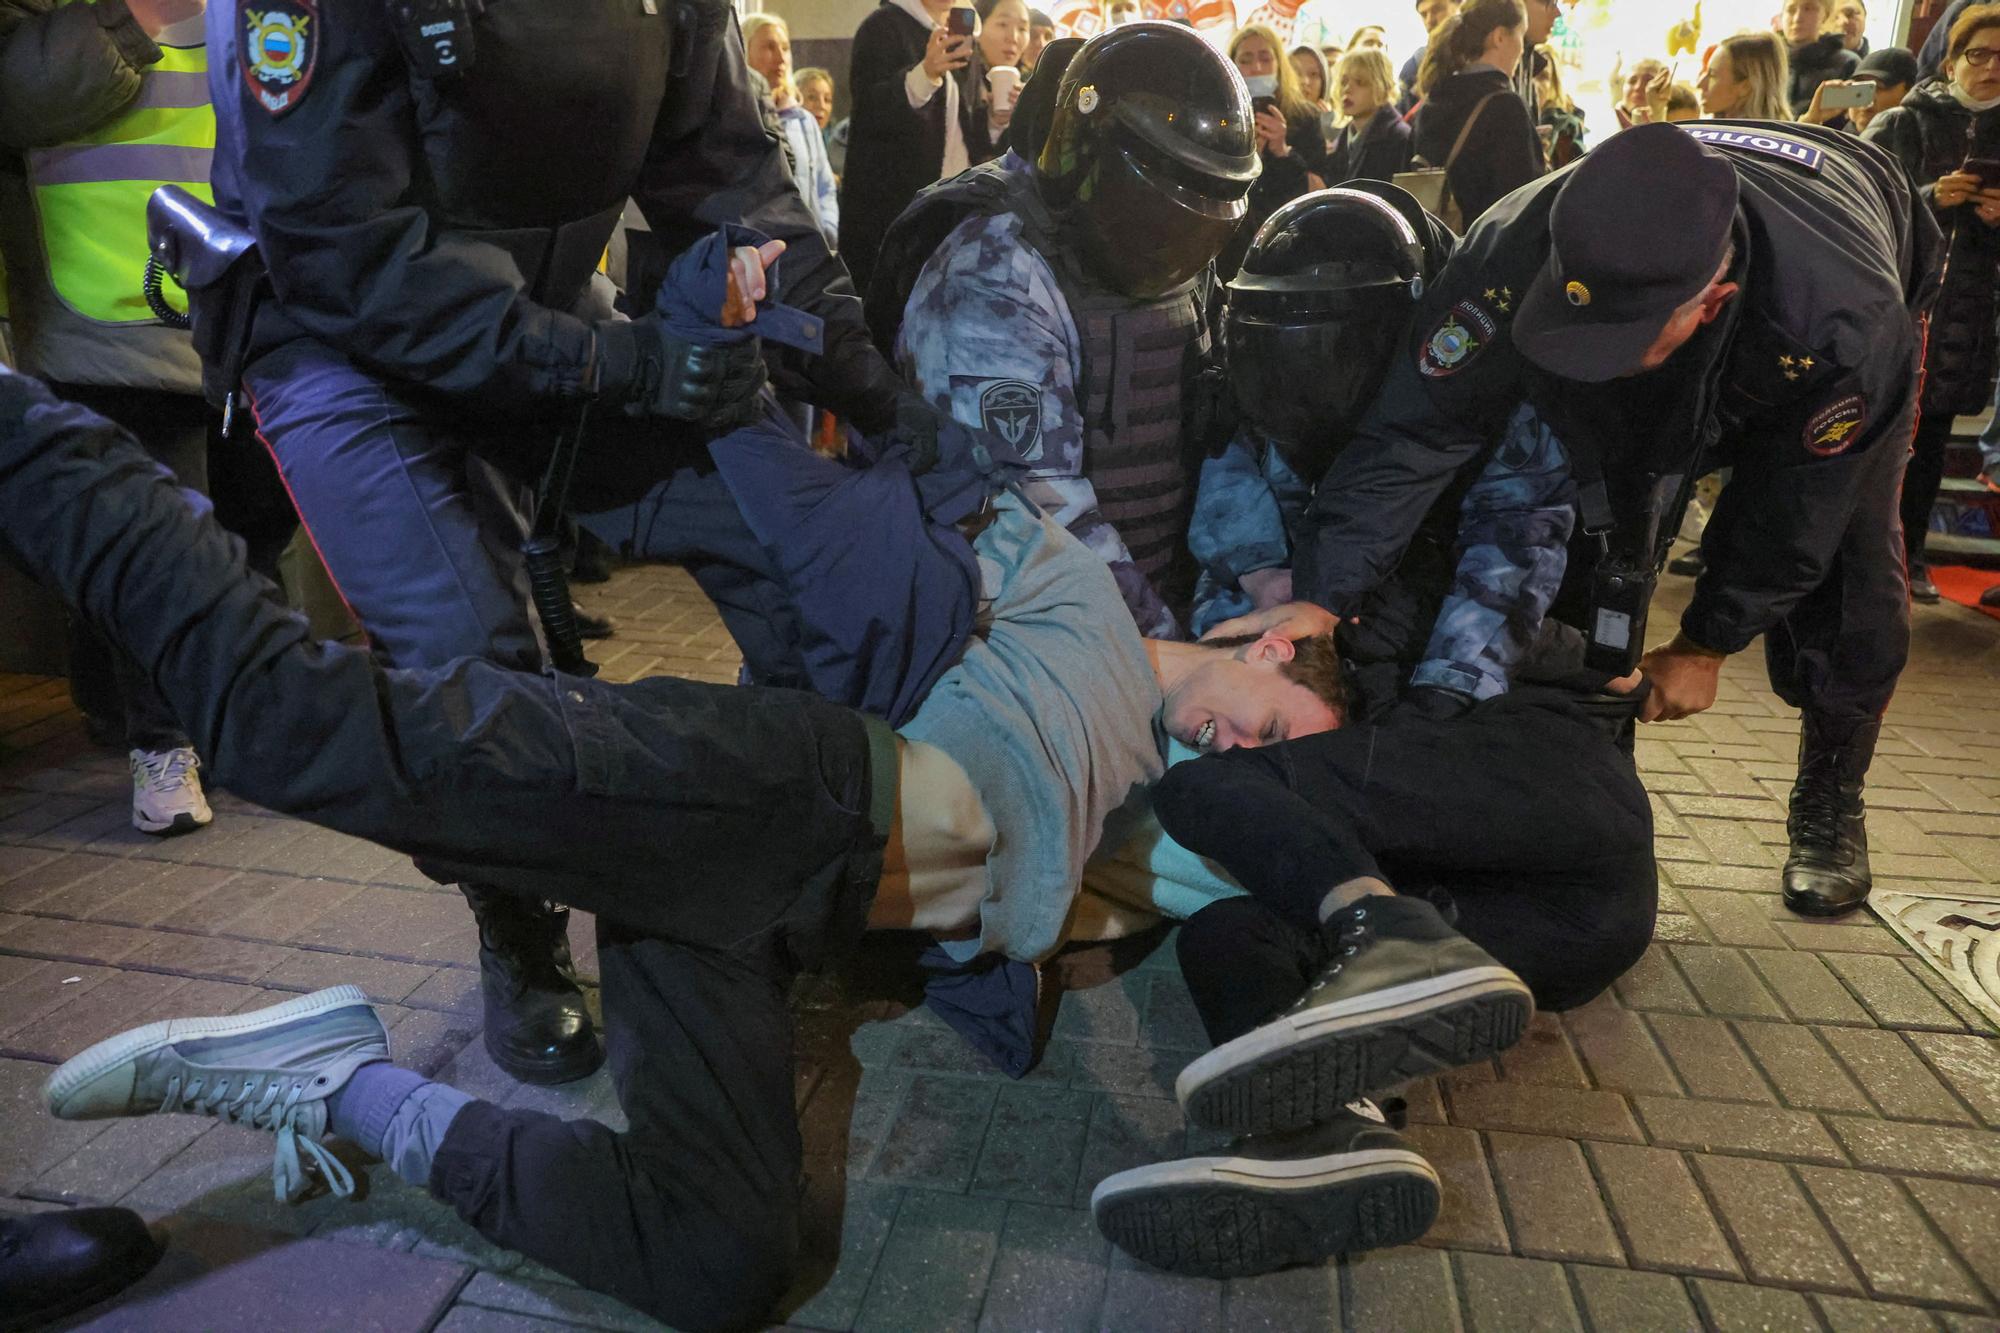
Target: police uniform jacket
1806	382
439	231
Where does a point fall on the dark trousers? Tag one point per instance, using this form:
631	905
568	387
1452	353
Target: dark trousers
180	433
1522	812
725	836
1921	481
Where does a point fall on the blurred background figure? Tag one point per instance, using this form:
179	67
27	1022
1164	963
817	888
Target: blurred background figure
1315	76
1041	31
1850	19
1893	71
1434	14
1369	34
1947	135
816	95
767	46
1004	26
1470	123
1635	88
1746	79
1374	144
1288	134
1818	51
1560	123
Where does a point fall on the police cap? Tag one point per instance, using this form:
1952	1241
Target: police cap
1637	231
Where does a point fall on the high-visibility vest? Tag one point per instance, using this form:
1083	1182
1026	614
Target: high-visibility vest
90	194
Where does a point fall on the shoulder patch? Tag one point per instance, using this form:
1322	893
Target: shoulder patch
1458	338
1802	155
1834	428
1012	409
278	48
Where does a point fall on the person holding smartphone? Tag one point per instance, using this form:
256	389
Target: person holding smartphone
915	119
1947	134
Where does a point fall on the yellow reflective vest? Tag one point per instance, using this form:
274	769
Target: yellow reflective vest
90	194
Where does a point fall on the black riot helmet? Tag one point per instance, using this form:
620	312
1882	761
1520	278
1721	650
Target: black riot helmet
1036	106
1150	155
1322	303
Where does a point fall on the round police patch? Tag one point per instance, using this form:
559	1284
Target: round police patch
1012	410
1834	428
278	46
1461	335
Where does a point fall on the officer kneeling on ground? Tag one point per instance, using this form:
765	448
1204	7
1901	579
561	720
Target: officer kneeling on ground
1735	290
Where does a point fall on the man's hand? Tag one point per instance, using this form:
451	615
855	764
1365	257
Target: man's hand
1954	188
1293	620
1684	676
1271	132
944	53
747	285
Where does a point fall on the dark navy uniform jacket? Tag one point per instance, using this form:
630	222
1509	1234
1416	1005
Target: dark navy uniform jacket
1813	367
440	231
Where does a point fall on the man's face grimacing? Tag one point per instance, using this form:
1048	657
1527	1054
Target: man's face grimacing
1241	696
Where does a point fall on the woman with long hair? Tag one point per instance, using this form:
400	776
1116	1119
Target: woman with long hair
1747	79
1945	125
1288	133
1484	141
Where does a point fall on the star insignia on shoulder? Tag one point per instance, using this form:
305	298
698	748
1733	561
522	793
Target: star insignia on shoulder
1791	374
1805	363
1502	297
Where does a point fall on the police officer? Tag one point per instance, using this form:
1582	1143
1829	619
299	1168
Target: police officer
1069	309
1727	293
432	188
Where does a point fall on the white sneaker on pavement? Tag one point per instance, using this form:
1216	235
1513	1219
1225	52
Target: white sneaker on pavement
166	792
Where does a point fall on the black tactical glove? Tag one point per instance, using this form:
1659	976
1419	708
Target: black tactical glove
653	373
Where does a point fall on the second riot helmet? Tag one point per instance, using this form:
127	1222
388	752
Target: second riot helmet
1149	156
1322	303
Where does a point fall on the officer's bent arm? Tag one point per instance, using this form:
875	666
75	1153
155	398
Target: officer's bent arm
712	161
65	71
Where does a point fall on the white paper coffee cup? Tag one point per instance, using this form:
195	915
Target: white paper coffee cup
1005	81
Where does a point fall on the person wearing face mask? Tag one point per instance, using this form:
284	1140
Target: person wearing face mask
1486	143
1290	145
1818	53
1942	131
1725	293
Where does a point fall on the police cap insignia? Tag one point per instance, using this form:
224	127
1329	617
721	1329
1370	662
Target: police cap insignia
1460	336
1835	428
1577	294
1086	98
277	47
1012	410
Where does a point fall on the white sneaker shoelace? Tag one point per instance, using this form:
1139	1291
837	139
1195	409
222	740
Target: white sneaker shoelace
169	770
272	1104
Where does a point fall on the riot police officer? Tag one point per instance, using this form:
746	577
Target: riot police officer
1070	309
1737	293
432	184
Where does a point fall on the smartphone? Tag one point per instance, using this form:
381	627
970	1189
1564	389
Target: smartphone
1263	104
1986	168
960	20
1860	94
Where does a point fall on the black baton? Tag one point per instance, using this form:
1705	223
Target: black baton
548	580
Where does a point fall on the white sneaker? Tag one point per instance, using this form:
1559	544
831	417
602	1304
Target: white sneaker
166	792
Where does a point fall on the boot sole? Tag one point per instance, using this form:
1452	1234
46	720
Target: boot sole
89	1064
547	1073
1300	1069
1235	1217
1815	906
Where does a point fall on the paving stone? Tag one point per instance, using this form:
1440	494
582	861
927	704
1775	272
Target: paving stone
1126	1132
1803	1070
1971	1065
1708	1058
124	1000
1572	1112
561	1302
1171	1020
1896	1253
1139	1297
34	988
34	1140
1634	1302
1895	1077
1892	994
213	1275
1660	1211
215	958
413	926
1049	1273
1654	983
1861	938
1034	1144
1136	1071
1766	1213
1104	1013
1844	1314
1469	1213
1728	1127
1968	1216
1618	1049
1734	918
1735	1307
1552	1200
383	981
1700	872
1287	1301
846	1223
454	989
1808	988
1674	928
1515	1295
1926	1150
1543	1055
75	941
1411	1290
1725	983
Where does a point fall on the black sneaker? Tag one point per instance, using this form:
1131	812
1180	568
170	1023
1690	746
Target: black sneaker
1404	996
1273	1201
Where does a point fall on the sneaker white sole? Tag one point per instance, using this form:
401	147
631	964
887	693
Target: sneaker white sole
181	822
1238	1216
1299	1069
88	1065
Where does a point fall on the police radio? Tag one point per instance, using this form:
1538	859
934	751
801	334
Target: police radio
436	34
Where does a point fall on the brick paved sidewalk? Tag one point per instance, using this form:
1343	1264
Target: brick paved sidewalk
1770	1123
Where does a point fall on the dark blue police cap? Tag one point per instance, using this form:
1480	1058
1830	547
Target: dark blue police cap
1637	231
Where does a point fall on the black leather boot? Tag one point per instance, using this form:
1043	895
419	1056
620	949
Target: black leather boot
537	1027
1827	873
55	1263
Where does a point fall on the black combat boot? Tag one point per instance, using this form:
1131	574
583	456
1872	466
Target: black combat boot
1827	873
537	1028
55	1263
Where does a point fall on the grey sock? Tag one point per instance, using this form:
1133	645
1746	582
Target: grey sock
395	1115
